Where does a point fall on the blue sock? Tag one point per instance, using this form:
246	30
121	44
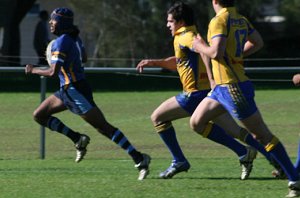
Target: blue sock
278	152
255	144
217	134
297	164
170	140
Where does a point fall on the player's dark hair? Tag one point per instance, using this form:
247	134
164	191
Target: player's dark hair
181	11
226	3
44	15
74	32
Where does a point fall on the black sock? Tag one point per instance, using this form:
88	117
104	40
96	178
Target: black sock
56	125
120	139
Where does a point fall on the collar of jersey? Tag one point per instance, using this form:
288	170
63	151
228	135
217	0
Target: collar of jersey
186	29
228	9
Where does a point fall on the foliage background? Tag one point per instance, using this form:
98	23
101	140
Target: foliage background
137	29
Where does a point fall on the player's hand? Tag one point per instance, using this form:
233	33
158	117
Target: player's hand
296	79
197	42
212	84
28	69
142	64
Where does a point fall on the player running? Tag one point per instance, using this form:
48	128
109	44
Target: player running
196	86
75	94
231	37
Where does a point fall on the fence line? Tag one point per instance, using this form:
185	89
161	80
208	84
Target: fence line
138	59
295	69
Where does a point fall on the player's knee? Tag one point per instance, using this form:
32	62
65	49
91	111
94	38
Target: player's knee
155	118
198	127
36	116
40	117
193	125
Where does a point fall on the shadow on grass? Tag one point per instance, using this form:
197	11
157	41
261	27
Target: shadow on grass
215	178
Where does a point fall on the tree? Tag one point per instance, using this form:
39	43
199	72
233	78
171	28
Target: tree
125	30
290	9
118	27
16	10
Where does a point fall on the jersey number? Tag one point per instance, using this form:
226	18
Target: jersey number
240	37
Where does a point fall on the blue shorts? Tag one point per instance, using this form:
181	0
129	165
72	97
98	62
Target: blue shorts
190	100
237	99
77	97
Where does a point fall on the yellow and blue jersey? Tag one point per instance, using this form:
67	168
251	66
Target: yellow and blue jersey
66	52
236	28
190	67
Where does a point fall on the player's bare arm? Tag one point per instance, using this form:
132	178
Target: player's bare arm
42	71
208	66
215	50
254	43
167	63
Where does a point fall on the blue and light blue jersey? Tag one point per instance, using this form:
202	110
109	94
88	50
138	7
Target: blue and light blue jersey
66	52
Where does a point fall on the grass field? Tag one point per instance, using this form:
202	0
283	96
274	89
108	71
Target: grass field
107	170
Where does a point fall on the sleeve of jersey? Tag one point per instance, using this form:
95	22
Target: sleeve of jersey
218	28
58	52
250	27
186	41
81	46
80	43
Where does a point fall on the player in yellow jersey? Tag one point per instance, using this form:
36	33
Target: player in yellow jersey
195	82
232	37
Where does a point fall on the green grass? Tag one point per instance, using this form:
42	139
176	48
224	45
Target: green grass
107	170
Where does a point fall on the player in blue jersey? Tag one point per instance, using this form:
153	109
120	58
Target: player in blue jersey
75	94
231	37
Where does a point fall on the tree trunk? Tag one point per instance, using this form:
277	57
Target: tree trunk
11	39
